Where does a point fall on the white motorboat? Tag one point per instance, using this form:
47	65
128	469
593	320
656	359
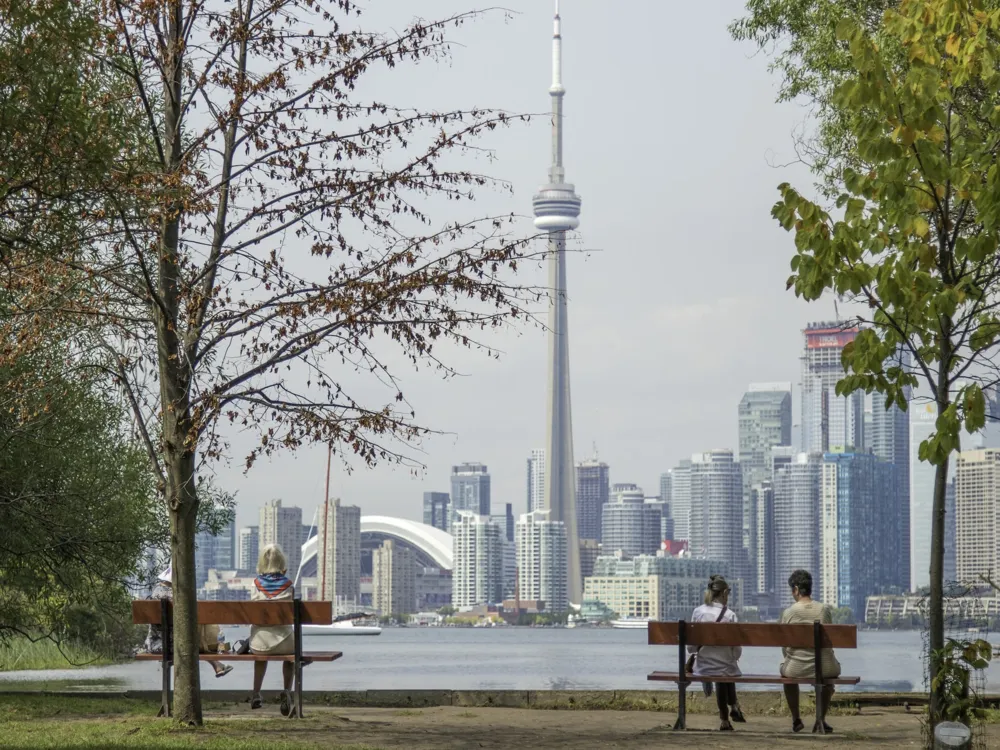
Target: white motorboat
631	623
345	627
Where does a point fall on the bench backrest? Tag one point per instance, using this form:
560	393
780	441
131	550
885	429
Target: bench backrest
148	612
752	634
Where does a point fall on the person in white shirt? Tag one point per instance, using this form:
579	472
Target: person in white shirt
721	661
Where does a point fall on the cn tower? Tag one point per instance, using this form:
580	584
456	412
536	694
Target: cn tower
557	211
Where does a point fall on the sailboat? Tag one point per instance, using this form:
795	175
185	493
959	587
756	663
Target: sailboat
342	624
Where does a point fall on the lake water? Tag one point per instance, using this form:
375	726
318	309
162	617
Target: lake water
507	659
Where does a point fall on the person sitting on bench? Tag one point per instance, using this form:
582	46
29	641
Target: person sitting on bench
800	663
718	660
272	584
208	635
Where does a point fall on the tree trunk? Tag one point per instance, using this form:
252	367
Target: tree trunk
942	397
183	504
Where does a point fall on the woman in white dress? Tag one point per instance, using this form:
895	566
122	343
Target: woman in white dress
719	661
272	584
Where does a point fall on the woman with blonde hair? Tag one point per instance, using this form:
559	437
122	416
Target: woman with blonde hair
721	661
272	584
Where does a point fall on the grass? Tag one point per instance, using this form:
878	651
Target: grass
21	654
40	723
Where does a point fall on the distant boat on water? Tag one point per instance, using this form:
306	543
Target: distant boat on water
344	627
631	623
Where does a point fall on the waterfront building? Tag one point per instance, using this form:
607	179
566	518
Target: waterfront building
629	524
716	530
477	575
282	526
339	554
541	560
557	210
589	551
765	421
437	509
763	531
859	529
394	579
593	492
470	489
977	515
536	480
249	549
890	442
796	521
680	500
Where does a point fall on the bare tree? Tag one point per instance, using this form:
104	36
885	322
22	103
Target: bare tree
275	240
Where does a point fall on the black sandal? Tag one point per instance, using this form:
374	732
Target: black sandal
736	715
726	727
798	726
827	729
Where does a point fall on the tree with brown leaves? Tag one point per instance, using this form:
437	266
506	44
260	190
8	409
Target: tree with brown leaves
273	240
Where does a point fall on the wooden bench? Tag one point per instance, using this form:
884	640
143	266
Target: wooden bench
683	634
295	613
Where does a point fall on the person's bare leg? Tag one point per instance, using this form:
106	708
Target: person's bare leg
288	673
259	670
792	698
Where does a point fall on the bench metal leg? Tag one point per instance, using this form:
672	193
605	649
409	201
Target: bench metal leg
297	634
681	723
819	728
165	697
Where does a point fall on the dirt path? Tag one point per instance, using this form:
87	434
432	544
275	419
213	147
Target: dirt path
462	729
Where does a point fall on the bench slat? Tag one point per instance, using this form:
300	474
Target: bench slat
757	679
752	634
306	657
147	612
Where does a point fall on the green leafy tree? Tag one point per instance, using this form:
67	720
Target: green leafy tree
915	235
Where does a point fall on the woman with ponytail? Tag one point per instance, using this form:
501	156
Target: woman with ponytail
720	661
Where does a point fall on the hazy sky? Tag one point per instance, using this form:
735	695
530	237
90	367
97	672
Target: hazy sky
672	137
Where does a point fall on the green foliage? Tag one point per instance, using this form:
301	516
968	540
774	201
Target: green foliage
842	616
76	508
958	660
19	653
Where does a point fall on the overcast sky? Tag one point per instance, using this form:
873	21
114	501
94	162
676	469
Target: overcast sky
672	137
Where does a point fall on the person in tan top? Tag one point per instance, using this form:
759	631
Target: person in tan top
800	663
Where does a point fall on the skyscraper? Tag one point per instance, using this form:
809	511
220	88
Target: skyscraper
282	526
470	489
249	549
437	509
593	490
796	520
977	515
536	480
478	574
680	500
765	421
338	557
541	560
890	441
214	551
828	421
394	590
923	423
557	208
763	533
630	525
716	531
667	487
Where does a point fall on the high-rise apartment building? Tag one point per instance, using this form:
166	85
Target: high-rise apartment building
667	487
470	489
593	490
394	579
859	529
716	529
630	525
763	532
282	526
923	423
214	551
541	560
536	480
977	515
680	500
590	549
338	557
477	575
437	510
506	522
796	520
828	421
765	421
249	549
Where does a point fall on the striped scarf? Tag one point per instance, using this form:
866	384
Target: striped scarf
272	584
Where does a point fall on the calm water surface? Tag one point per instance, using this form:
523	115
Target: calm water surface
507	659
